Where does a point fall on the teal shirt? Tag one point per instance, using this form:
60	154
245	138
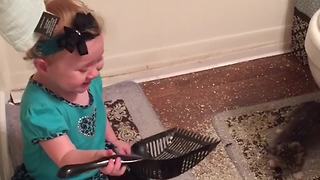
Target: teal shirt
45	116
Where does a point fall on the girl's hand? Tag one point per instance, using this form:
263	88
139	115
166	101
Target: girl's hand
114	167
123	147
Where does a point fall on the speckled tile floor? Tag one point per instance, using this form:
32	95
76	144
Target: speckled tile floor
190	101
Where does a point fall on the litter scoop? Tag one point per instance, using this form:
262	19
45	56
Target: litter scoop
76	169
161	156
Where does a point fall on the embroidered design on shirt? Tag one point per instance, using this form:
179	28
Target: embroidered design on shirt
87	124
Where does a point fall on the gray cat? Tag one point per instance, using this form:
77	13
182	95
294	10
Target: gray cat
288	150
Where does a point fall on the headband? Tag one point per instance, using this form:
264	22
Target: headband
73	37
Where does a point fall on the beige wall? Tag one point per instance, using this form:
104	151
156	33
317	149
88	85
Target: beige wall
144	36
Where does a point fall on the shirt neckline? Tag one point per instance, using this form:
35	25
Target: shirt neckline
40	85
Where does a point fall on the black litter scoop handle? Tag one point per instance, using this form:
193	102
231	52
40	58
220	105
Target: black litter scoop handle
76	169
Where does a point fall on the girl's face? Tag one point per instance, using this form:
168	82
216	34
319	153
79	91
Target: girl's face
73	73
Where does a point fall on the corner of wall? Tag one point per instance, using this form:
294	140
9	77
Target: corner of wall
5	164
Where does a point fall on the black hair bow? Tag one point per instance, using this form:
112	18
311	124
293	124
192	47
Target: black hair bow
77	36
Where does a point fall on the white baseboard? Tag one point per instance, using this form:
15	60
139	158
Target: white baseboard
176	70
188	57
197	56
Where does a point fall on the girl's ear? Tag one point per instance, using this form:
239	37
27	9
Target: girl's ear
41	65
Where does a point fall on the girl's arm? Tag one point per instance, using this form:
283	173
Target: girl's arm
63	152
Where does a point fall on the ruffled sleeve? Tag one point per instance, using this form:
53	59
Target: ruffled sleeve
42	122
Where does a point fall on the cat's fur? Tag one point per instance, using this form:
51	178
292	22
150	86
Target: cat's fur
288	150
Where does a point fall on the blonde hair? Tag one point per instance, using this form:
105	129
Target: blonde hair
66	10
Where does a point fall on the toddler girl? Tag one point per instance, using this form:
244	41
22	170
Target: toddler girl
63	117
